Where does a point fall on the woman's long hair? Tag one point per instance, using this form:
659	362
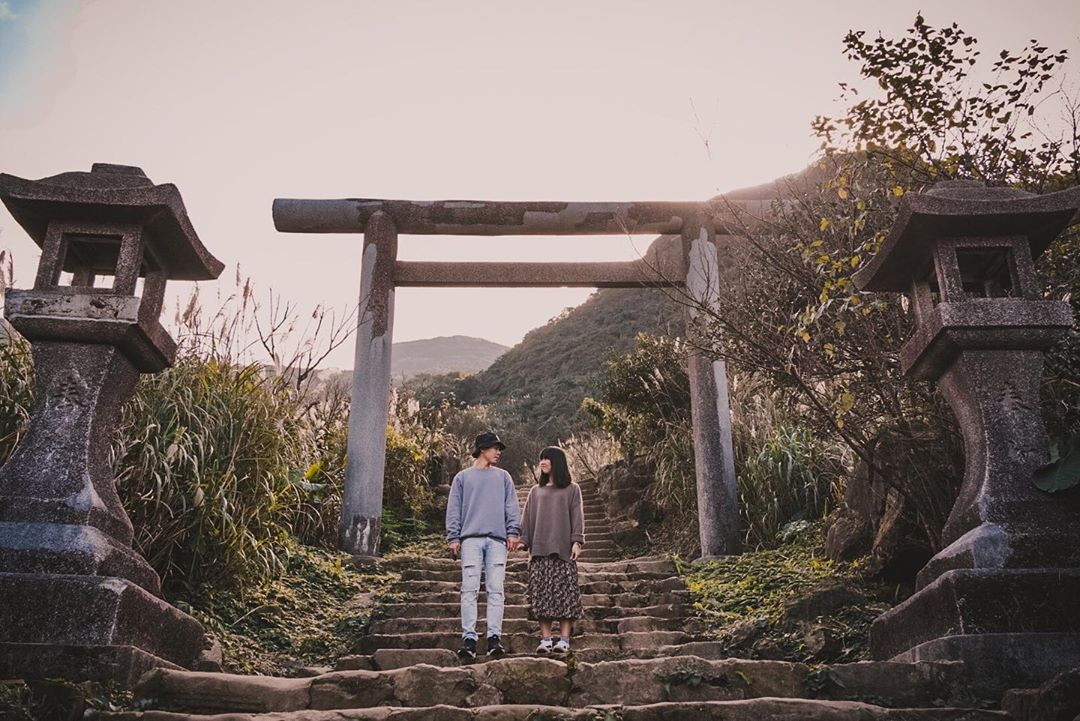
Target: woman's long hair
560	471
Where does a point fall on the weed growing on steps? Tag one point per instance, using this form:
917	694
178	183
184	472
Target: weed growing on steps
744	601
310	615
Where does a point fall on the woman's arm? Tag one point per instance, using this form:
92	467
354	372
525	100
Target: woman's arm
577	517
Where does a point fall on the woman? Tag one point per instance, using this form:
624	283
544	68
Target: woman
553	529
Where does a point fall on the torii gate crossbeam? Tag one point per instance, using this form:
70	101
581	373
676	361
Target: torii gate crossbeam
694	266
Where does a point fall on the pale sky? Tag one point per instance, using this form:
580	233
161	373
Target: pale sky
241	102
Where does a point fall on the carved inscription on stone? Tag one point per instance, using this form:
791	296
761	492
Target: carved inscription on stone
68	391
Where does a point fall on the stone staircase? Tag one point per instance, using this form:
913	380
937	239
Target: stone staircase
637	656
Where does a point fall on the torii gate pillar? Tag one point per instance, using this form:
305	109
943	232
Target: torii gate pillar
362	495
710	413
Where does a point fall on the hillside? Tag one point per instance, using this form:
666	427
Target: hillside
548	373
443	355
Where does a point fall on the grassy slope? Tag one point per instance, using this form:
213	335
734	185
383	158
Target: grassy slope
548	373
309	616
746	602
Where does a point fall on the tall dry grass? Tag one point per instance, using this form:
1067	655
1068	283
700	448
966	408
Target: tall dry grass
227	460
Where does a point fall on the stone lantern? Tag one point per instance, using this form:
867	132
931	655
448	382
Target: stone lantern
75	599
1002	594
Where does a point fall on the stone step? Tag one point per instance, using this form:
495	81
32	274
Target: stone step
619	600
549	682
643	564
390	658
765	709
520	642
591	587
451	610
586	626
521	574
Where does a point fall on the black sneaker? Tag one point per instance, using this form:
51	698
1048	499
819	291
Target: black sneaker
495	647
468	648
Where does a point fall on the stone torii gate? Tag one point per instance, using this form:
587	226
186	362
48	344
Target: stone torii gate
693	265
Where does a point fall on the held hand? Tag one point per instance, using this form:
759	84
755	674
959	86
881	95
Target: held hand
455	549
575	551
513	543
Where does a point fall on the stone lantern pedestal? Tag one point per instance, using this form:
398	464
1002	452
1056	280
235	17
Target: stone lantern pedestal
1002	595
76	601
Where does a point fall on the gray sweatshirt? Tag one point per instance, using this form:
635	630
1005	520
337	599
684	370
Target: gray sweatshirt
483	502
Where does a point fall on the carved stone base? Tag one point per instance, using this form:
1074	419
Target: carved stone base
992	546
65	549
121	664
1010	627
52	617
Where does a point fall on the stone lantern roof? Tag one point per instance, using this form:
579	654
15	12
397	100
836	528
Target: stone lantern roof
114	193
963	208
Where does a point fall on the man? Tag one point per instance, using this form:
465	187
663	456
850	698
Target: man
482	523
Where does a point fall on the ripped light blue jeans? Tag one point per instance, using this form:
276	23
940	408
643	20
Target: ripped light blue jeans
489	555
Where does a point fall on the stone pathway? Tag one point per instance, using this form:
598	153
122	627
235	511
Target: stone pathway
638	656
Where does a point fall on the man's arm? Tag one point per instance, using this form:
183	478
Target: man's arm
453	512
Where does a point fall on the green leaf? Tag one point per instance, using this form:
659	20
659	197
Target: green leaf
1063	470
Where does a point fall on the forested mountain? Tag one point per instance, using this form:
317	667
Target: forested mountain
547	374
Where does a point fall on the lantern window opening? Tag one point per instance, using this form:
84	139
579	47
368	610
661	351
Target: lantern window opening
987	272
89	260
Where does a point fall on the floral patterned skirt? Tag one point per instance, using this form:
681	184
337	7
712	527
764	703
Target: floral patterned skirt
553	590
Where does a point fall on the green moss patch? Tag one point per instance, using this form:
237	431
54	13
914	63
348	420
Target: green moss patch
310	615
762	604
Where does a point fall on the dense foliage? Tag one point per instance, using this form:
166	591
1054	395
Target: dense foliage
545	377
794	317
787	603
785	473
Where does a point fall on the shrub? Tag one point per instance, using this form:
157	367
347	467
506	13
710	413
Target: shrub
205	455
784	472
16	391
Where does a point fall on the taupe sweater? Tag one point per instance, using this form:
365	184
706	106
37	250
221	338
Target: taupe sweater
553	521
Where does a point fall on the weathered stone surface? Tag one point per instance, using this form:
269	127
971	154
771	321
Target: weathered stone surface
211	659
124	665
897	684
995	662
70	549
59	473
480	217
1056	700
362	494
362	662
528	680
957	209
962	602
683	679
390	658
95	611
427	274
342	688
424	685
220	692
101	195
714	457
